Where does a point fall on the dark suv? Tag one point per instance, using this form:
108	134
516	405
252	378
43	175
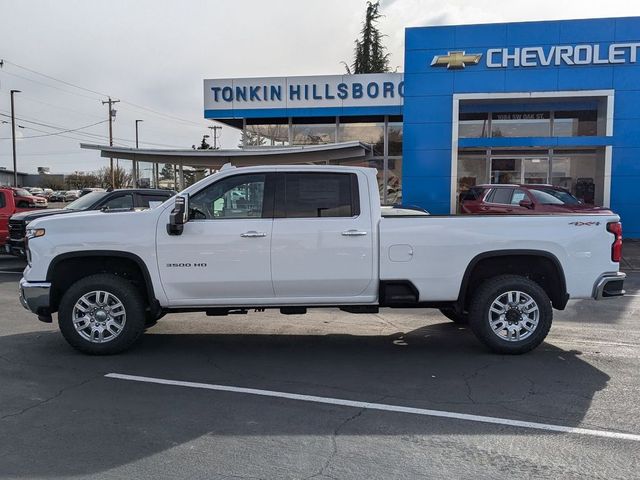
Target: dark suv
124	199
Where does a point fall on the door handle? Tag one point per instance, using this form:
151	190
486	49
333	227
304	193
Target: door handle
253	234
353	233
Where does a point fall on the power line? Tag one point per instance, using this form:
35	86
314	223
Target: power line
55	79
47	85
64	82
95	135
58	133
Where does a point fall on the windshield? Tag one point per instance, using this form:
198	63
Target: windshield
550	196
21	192
86	201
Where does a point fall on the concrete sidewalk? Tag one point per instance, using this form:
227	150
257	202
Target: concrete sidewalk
630	255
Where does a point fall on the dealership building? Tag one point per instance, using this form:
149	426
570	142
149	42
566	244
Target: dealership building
554	102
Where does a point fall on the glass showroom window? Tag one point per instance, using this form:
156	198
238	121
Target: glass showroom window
394	172
472	169
520	124
267	135
314	134
581	172
578	123
371	133
473	125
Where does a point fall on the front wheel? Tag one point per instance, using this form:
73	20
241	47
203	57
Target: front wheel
510	314
102	314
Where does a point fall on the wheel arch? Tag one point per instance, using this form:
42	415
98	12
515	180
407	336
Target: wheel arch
543	266
88	262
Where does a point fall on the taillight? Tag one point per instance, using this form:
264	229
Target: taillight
616	246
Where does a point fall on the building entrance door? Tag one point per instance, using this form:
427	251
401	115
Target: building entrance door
520	170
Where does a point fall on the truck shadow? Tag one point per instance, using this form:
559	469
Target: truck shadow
57	404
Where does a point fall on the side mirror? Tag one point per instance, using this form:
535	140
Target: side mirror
526	203
179	215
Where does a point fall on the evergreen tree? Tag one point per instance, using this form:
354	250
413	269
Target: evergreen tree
370	56
167	172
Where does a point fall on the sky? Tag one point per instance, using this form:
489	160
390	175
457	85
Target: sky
153	55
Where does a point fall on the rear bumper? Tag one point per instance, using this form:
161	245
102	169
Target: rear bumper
609	285
35	296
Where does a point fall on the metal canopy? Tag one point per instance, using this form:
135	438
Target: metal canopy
239	157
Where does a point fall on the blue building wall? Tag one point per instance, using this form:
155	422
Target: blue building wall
428	105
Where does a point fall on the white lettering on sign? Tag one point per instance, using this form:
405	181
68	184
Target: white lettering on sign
562	55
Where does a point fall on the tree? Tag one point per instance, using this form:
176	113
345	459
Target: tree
251	139
52	183
121	176
79	180
369	55
167	172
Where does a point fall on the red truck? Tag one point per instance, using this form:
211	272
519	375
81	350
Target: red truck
12	201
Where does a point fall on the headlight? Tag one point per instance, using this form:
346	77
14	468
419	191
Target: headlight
34	233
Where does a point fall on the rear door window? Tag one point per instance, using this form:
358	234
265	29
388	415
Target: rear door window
145	198
501	196
308	195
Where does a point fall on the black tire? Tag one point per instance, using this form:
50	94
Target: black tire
453	315
23	204
480	309
131	299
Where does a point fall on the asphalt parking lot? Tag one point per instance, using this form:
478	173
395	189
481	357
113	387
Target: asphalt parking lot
60	416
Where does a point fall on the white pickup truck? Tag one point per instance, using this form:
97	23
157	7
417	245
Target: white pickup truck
293	237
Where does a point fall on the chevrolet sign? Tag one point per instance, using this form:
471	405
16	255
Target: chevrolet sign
557	55
456	60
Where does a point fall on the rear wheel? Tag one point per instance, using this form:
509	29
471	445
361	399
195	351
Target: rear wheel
455	316
102	314
510	314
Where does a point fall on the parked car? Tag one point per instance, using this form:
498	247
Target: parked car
522	200
57	196
125	199
309	236
36	191
47	192
24	199
9	205
71	195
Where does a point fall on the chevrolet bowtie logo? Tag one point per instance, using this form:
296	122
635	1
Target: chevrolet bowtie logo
456	60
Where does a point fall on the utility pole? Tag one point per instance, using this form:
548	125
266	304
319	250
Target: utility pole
136	173
112	114
13	139
214	129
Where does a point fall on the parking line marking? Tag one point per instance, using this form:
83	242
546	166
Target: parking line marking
381	406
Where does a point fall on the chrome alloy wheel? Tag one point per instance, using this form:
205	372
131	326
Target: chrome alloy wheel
513	316
99	316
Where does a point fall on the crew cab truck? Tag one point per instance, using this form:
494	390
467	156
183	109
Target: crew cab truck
295	237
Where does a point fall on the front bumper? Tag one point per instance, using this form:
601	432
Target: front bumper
609	285
34	296
16	248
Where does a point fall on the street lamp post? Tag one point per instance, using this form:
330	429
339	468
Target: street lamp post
136	172
13	140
